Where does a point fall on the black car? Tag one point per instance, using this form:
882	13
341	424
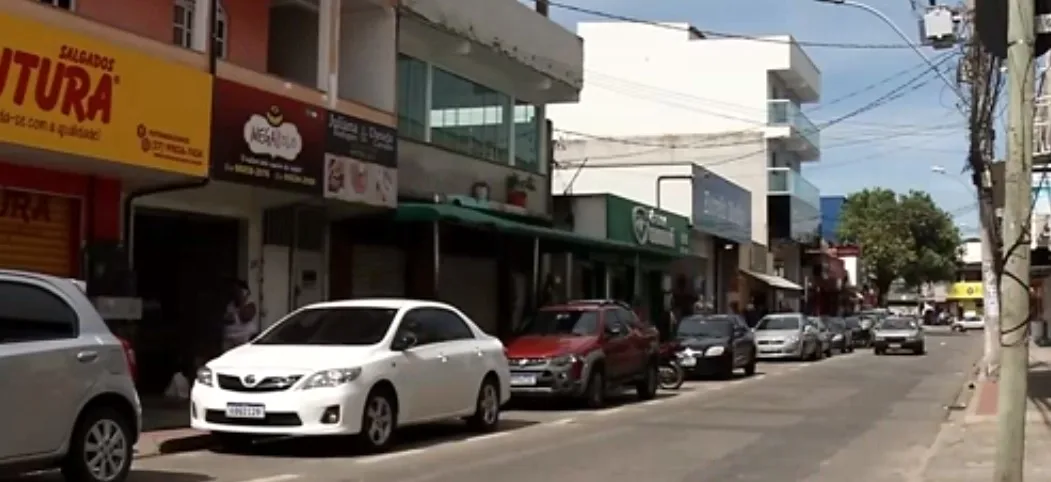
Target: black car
861	334
842	337
716	345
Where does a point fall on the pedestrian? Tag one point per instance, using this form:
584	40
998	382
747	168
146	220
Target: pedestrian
240	322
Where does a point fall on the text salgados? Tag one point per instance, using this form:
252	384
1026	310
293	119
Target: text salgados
62	83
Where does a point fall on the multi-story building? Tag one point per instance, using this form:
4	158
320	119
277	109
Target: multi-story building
659	101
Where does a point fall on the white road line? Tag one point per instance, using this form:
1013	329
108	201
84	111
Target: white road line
487	436
563	421
275	478
611	411
393	455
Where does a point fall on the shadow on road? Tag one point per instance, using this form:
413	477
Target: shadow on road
615	400
408	438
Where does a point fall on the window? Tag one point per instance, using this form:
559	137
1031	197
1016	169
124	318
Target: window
469	118
357	326
63	4
412	98
719	326
527	136
448	325
183	26
779	322
613	322
562	322
38	314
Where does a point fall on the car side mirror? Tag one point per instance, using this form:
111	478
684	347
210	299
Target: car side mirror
809	330
614	331
404	341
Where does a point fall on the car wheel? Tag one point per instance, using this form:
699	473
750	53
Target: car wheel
101	448
486	416
378	421
647	387
749	369
828	352
595	394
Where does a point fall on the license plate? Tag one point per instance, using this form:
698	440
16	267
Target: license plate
894	345
245	410
688	361
523	380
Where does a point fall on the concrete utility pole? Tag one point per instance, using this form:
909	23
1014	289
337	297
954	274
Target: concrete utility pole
1010	447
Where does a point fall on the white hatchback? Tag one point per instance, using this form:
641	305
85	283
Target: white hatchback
361	367
969	322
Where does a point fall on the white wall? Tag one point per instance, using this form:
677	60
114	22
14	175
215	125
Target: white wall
368	45
972	252
850	264
589	216
642	80
630	167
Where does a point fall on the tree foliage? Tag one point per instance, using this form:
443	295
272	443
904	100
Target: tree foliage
903	236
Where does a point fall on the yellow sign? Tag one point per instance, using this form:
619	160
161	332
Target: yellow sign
74	94
965	290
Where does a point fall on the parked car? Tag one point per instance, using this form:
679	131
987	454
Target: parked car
823	334
970	321
69	400
786	336
716	345
361	367
899	333
858	333
842	336
582	349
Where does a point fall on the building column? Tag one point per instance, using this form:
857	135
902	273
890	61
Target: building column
328	49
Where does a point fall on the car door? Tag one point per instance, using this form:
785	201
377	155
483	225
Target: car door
743	342
46	370
616	344
637	339
420	377
466	360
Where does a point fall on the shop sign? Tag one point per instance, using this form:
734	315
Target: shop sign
75	94
266	140
634	223
965	290
720	207
361	161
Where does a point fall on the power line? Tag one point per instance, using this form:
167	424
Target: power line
727	35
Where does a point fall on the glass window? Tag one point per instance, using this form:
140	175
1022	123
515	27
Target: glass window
469	118
898	324
412	98
448	325
527	137
183	25
331	326
706	327
563	322
38	314
778	322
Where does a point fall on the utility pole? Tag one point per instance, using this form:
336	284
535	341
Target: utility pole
1014	337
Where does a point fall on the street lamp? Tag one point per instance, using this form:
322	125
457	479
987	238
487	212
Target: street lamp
872	10
941	171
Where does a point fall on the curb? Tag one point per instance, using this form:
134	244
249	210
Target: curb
189	443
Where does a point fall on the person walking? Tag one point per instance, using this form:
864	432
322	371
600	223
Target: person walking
240	322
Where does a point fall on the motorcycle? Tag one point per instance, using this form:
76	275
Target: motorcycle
672	375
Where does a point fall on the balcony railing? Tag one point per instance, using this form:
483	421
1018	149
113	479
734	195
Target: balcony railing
785	181
785	113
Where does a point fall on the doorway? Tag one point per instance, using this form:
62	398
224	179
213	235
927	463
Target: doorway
184	266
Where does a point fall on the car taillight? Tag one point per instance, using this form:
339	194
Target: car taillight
129	358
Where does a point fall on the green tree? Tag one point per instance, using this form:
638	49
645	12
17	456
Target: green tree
905	236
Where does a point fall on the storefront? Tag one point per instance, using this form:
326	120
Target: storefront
963	297
722	211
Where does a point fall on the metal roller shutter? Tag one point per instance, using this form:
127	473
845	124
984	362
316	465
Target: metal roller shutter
37	232
470	284
377	271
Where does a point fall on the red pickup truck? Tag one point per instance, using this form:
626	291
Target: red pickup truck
584	349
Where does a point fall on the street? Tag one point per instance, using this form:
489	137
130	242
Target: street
853	417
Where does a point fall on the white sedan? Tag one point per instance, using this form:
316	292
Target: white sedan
361	367
969	322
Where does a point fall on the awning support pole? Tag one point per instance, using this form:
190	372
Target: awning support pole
437	244
536	270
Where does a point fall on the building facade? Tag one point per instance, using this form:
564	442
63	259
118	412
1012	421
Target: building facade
646	115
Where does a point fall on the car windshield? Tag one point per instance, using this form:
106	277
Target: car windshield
852	323
835	324
563	322
778	322
898	324
354	326
705	327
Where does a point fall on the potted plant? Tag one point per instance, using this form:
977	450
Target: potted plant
518	190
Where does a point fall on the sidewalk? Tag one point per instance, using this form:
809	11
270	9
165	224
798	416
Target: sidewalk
165	429
965	448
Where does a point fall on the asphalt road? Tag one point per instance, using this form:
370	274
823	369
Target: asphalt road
855	417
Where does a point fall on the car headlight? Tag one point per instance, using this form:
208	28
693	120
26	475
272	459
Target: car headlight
331	378
563	360
714	351
204	376
837	337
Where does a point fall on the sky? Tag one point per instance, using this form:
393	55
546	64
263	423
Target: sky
893	146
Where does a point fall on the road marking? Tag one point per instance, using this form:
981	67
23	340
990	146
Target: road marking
563	421
275	478
393	455
611	411
489	436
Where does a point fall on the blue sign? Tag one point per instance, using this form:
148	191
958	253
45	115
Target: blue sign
720	207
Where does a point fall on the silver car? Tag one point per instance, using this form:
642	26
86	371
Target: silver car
68	391
899	333
787	336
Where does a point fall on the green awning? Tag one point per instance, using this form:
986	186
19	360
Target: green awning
424	212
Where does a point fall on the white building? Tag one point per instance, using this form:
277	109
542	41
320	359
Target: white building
658	101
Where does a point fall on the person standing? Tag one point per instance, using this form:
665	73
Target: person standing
240	322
